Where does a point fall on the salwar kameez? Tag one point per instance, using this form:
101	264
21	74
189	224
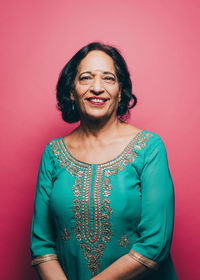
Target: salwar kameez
89	215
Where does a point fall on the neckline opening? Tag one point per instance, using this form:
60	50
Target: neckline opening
66	150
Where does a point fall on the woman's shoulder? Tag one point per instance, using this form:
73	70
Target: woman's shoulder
51	146
145	140
154	136
52	141
151	136
133	130
154	141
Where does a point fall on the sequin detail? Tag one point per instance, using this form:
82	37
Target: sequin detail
124	240
66	235
93	236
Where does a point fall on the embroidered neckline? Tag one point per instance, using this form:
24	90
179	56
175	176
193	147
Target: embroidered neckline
109	162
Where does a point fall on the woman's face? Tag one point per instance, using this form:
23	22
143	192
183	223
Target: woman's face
97	92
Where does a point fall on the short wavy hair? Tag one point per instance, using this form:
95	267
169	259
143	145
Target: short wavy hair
67	76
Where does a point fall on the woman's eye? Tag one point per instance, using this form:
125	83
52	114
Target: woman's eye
85	78
109	78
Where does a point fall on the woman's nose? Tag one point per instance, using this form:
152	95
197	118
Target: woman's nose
97	85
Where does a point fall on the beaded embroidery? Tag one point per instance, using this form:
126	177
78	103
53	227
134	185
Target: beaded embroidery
66	234
124	241
94	243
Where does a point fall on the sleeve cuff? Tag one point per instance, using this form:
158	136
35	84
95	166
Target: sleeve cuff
45	258
143	260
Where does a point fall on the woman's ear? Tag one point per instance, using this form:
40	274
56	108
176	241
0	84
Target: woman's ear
72	96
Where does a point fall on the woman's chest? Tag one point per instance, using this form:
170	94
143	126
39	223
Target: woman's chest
95	195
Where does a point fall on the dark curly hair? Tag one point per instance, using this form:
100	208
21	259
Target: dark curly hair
66	79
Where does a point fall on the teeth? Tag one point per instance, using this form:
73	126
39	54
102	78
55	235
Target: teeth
97	100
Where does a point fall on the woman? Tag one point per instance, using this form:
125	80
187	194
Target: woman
104	201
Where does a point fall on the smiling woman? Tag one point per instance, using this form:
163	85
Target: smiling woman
104	201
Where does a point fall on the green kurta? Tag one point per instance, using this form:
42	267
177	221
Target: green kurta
89	215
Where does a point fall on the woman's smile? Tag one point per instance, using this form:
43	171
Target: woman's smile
97	101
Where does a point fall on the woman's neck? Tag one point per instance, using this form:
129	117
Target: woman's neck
99	129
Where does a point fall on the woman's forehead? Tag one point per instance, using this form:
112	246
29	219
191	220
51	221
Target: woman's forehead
97	61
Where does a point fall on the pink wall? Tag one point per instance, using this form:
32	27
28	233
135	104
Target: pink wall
160	41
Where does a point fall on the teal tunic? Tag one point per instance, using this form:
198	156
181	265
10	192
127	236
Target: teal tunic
89	215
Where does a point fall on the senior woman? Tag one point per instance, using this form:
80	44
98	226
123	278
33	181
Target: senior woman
104	199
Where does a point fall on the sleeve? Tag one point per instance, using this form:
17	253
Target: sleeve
42	242
155	228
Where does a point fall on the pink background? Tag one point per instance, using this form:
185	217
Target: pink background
160	41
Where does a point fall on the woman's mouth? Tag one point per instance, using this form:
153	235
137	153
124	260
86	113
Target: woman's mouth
97	101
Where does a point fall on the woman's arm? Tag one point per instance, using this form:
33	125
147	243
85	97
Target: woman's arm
125	268
43	233
50	270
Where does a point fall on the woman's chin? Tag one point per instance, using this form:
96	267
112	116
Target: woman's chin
97	116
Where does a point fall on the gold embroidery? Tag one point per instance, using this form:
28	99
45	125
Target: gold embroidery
93	239
124	240
44	258
143	260
66	234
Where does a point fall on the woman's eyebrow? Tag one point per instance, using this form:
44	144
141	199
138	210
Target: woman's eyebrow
105	72
109	73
